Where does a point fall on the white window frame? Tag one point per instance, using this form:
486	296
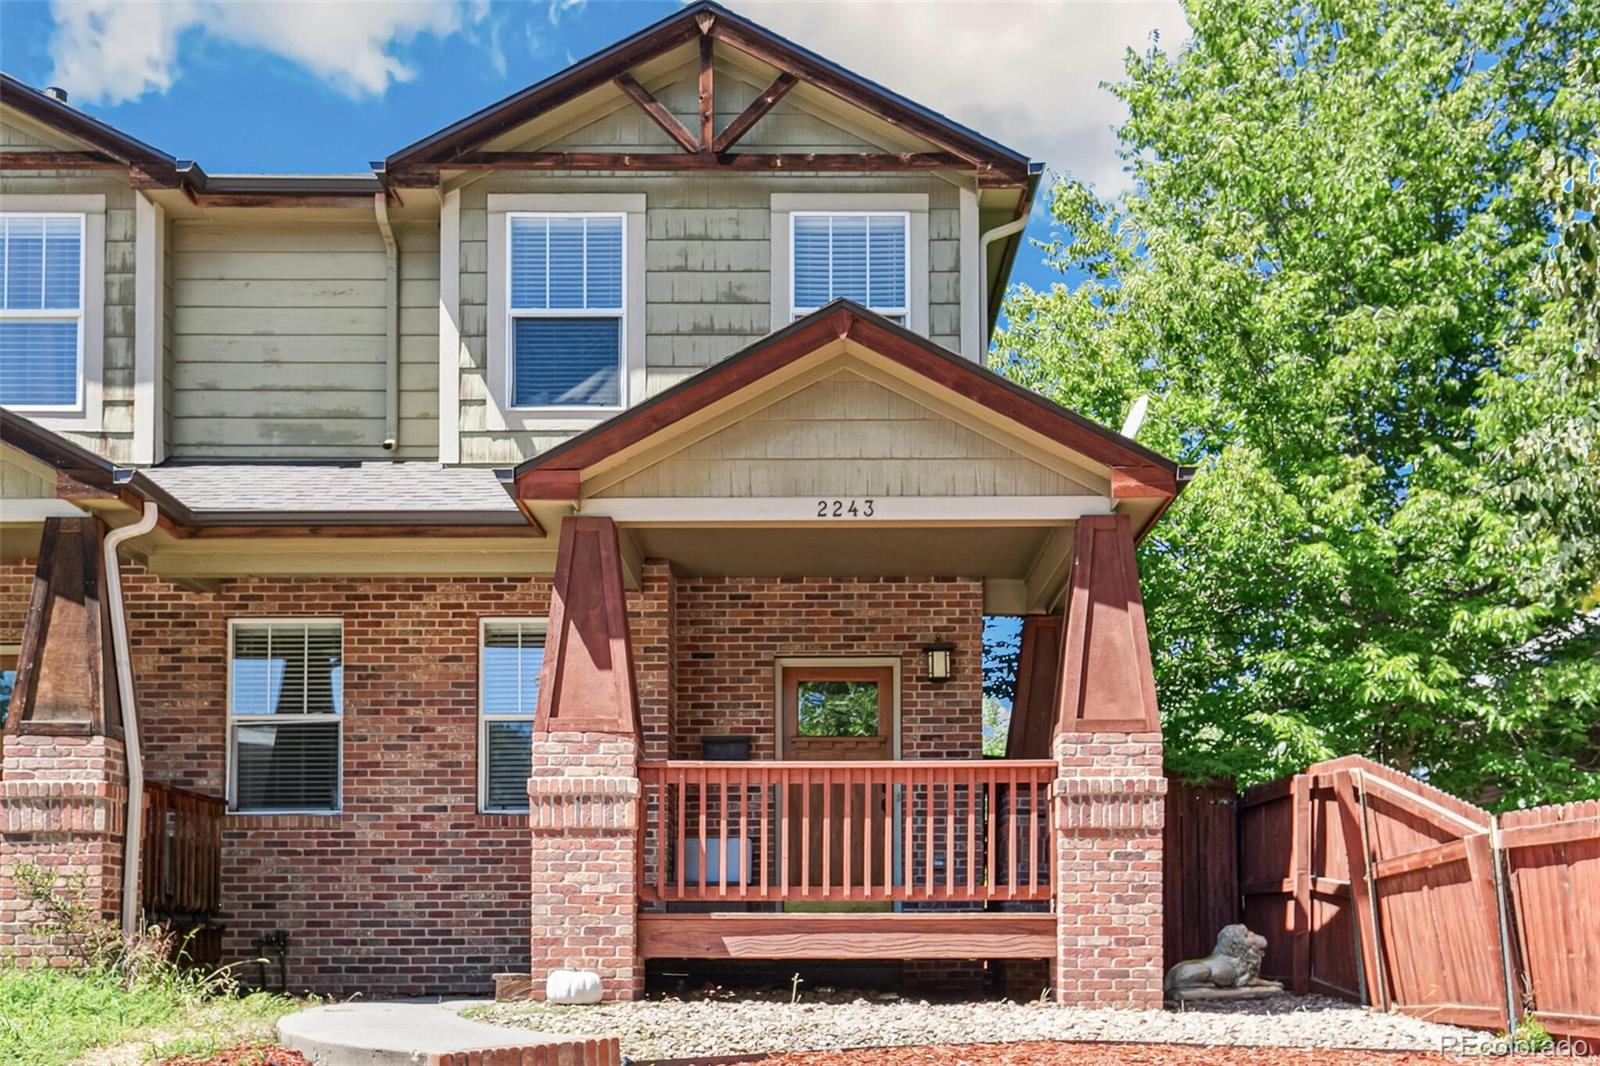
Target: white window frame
541	626
54	314
234	720
501	413
85	413
903	311
912	204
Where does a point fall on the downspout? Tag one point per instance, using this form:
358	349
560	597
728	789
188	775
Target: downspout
998	233
391	325
134	840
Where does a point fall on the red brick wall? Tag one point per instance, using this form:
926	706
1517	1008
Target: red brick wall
16	585
730	630
409	890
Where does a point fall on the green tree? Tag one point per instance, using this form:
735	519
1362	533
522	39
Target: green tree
1334	278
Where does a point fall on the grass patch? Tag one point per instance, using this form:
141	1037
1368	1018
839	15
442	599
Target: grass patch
119	999
52	1017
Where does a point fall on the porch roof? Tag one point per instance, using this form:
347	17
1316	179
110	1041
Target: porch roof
845	332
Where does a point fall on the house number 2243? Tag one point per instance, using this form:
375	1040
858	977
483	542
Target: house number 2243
844	508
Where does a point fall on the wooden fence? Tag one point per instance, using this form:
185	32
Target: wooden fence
1375	887
1552	863
1200	874
180	882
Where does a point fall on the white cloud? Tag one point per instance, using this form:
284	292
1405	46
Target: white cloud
1026	74
109	51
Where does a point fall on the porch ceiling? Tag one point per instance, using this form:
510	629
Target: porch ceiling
855	552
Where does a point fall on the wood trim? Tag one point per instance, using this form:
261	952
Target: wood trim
791	676
887	511
1550	834
450	328
59	161
752	114
707	86
656	110
974	935
234	532
868	162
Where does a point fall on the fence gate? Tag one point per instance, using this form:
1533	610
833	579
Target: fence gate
1373	887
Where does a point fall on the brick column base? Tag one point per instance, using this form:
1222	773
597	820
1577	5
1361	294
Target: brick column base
62	805
1109	812
583	800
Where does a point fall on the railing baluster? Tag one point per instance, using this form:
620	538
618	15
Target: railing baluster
1011	837
844	863
826	838
805	832
783	831
972	844
683	829
745	864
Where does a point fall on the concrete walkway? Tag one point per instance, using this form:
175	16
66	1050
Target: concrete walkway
429	1033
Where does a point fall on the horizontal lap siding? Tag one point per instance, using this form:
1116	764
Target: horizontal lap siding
277	341
115	437
707	246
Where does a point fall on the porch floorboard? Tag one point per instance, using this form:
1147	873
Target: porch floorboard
847	936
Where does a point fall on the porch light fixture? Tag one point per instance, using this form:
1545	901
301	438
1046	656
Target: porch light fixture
939	658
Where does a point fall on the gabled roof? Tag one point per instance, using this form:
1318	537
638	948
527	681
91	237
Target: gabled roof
110	142
717	23
1136	471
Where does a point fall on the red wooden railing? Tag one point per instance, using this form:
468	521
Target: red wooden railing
181	874
960	830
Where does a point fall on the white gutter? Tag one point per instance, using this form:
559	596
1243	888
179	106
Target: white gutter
998	233
130	716
391	325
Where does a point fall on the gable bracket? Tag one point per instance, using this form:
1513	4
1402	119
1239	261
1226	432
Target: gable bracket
753	114
708	106
657	111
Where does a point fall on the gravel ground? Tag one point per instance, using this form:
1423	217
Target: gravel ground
725	1023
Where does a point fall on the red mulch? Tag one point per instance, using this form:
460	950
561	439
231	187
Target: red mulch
1061	1054
245	1055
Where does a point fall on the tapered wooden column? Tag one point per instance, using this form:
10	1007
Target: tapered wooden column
1110	782
63	775
583	792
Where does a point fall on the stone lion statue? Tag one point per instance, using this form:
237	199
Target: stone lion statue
1234	963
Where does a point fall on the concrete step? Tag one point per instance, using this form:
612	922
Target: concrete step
429	1033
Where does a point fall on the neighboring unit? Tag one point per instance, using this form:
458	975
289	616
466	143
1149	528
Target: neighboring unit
567	546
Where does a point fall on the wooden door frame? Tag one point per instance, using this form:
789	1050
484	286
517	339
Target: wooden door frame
874	662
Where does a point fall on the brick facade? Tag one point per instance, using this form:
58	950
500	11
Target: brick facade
731	630
410	890
1109	813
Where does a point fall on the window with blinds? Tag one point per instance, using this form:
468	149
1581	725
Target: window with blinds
41	310
285	709
852	255
565	310
512	656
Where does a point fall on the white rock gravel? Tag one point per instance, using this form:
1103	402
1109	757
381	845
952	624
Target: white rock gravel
725	1023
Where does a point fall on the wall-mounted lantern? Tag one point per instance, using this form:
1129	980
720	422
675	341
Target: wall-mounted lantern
939	658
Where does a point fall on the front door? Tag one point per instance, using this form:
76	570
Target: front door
837	714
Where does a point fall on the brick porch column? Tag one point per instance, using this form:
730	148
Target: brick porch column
63	777
1109	807
584	789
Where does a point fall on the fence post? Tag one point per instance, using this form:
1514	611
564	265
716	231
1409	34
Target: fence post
1497	859
1358	861
1300	945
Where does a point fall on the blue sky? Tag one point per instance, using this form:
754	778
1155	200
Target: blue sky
326	87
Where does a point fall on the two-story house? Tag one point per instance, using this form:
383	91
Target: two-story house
567	544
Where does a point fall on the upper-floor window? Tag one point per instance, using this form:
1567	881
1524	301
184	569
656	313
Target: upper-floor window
565	310
285	713
854	255
41	310
512	656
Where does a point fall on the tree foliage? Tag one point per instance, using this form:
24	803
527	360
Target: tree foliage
1352	275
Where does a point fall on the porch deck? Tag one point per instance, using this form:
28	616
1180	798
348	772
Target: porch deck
758	859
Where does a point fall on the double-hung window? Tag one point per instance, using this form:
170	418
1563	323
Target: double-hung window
565	310
41	310
854	255
509	663
285	714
